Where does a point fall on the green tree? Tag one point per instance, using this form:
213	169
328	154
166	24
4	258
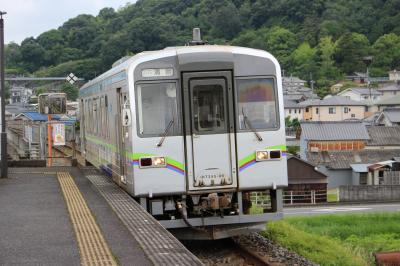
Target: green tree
304	60
12	55
252	38
350	50
32	54
328	73
71	90
280	43
386	51
226	22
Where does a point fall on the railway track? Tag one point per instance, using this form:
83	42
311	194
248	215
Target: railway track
249	250
223	252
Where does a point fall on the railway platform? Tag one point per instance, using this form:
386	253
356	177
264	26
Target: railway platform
72	216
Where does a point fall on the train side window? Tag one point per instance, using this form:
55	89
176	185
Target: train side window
157	107
257	104
106	117
94	117
101	113
90	116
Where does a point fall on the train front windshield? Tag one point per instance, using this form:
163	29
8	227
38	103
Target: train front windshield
157	109
257	104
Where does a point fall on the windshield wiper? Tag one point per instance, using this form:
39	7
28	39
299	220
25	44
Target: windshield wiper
247	121
165	133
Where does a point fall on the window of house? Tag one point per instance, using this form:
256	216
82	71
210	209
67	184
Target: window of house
317	110
307	110
363	178
353	115
332	110
295	111
299	111
290	111
346	110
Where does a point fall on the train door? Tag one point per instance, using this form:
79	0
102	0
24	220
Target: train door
210	134
122	132
82	122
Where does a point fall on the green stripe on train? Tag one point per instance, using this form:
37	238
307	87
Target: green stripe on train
252	156
134	156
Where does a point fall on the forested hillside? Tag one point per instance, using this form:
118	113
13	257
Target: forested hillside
327	38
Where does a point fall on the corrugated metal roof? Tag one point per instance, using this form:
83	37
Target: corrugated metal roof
35	116
395	100
292	79
291	104
334	130
333	101
363	91
360	168
383	136
393	114
390	87
344	159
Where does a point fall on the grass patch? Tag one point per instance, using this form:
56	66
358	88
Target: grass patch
339	239
332	195
319	249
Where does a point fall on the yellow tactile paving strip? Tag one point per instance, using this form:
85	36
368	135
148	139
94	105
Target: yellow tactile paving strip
92	245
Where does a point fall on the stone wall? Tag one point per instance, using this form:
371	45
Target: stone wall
369	193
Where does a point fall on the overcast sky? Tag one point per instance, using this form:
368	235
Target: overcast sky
26	18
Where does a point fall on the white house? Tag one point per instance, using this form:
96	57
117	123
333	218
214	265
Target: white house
293	110
394	75
390	90
361	94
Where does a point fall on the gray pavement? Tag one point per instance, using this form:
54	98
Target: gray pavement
35	227
342	209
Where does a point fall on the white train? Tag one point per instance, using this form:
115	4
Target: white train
190	132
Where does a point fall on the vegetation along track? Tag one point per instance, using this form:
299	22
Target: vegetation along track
245	250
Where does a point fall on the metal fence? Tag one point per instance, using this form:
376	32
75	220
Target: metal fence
261	199
391	178
28	139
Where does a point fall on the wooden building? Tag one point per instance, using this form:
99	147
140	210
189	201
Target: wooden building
306	183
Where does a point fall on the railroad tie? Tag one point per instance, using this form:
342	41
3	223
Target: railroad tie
92	245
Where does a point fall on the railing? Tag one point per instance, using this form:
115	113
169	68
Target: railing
291	197
260	199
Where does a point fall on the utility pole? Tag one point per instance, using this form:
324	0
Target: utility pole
4	170
367	61
312	83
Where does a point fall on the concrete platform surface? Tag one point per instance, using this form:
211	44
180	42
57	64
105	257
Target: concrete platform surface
35	227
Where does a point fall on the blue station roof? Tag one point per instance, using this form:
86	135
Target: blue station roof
35	116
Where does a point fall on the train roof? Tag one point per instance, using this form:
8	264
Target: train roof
176	50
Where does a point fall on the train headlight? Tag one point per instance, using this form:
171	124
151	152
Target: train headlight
275	154
261	156
156	161
159	161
